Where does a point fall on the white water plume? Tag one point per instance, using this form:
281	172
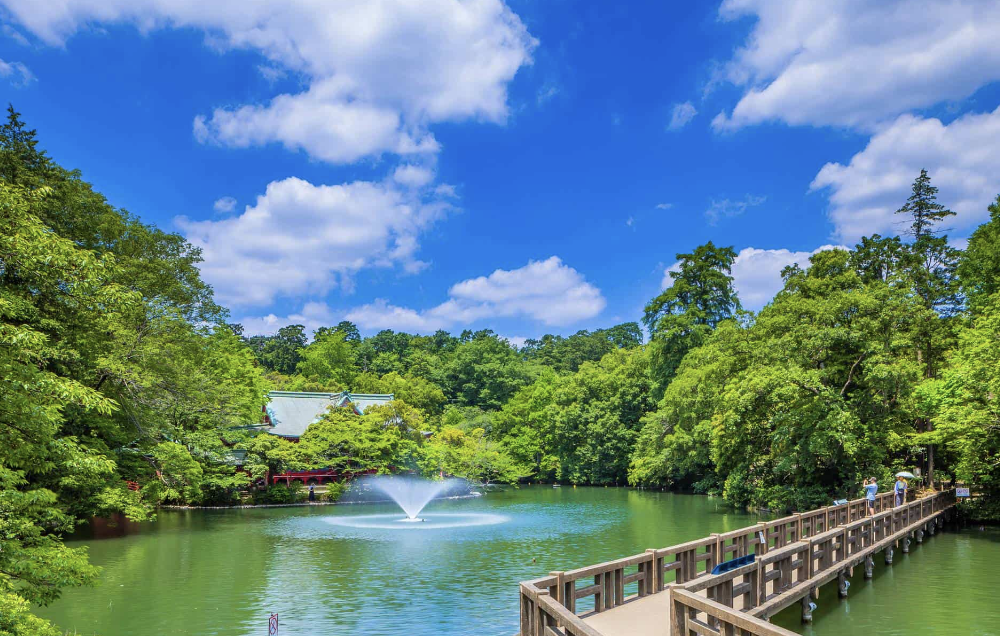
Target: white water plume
410	493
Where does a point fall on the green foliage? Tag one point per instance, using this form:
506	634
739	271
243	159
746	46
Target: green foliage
979	269
965	405
484	371
471	455
115	363
37	266
281	352
417	391
797	404
383	439
567	354
328	359
281	494
684	314
335	490
922	207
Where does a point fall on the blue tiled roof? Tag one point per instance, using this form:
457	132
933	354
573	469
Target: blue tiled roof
291	412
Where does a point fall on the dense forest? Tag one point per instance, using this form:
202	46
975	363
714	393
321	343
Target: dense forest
124	386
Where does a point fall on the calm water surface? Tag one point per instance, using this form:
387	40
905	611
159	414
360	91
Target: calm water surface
223	572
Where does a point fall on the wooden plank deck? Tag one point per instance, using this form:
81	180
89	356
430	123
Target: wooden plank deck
646	616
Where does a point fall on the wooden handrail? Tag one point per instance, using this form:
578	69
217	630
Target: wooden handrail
792	555
685	607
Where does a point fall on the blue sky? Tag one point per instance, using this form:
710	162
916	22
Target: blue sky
533	167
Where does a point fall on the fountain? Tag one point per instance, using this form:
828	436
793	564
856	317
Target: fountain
412	495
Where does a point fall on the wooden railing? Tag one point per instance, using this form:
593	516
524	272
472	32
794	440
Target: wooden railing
794	555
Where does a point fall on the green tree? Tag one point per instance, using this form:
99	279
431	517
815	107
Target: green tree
681	317
130	351
328	359
923	209
484	371
383	439
965	403
36	266
281	352
932	267
411	389
979	268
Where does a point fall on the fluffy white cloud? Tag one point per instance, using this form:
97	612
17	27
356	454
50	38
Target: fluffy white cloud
757	273
225	204
299	238
17	73
413	176
548	291
383	315
378	73
681	115
857	62
961	158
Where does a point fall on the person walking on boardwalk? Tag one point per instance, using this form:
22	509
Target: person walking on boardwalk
312	493
871	488
900	491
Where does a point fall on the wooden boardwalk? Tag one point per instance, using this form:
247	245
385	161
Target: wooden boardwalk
676	594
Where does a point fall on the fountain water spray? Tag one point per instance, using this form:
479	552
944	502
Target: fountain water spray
411	493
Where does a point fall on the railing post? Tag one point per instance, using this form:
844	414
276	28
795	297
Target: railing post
762	536
653	573
541	619
560	587
527	614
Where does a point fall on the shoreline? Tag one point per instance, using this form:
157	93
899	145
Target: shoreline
303	504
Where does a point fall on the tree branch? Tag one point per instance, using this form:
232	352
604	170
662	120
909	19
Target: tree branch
850	375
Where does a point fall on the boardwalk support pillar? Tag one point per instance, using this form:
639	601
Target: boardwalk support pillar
807	608
931	527
869	566
888	555
842	584
906	544
920	535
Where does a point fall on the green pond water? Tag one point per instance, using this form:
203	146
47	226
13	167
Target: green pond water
355	569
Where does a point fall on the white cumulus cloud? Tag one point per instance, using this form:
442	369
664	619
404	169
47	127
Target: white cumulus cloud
856	63
378	73
413	176
299	238
548	291
961	158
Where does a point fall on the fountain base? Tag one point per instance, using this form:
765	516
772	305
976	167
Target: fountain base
432	521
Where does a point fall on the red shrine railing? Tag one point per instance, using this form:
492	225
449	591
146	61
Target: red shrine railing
321	475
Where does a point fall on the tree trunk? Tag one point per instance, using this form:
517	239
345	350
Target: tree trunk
930	460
